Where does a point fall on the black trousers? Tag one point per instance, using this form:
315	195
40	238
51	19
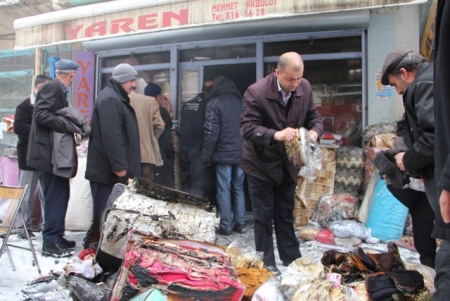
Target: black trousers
56	195
274	204
100	194
422	216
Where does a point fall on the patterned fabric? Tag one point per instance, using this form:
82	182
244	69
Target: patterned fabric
309	191
182	270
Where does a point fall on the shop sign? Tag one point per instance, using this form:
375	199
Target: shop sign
83	83
125	25
68	28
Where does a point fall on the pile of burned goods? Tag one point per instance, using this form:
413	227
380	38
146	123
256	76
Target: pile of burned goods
154	243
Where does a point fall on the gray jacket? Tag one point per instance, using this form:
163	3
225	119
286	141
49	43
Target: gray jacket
64	155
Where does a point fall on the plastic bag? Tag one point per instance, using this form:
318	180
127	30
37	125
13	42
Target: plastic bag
348	228
325	236
304	153
303	269
312	157
85	290
244	260
336	207
88	267
269	291
308	232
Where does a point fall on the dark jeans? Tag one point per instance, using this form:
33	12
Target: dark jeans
274	204
230	195
100	194
195	173
422	216
56	195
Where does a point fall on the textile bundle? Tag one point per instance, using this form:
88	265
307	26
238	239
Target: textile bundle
182	270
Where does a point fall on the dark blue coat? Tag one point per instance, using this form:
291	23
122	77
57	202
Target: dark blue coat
222	140
114	141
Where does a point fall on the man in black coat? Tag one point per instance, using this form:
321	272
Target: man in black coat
51	98
442	152
114	152
412	77
191	143
27	175
222	145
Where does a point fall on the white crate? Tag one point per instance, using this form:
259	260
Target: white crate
9	139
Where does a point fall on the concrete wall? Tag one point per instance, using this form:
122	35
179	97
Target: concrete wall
389	28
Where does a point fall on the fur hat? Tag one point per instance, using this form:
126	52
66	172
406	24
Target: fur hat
123	73
152	90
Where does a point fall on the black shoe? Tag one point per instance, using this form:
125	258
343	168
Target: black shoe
57	250
23	235
223	232
273	269
69	243
239	228
286	263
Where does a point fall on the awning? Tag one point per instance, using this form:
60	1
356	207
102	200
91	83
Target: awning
134	23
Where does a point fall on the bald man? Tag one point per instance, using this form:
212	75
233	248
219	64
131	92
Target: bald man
274	107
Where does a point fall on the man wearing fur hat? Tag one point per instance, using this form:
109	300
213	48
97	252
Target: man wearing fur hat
51	100
113	154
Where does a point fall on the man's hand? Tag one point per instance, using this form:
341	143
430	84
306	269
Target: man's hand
399	161
313	134
121	173
288	134
444	203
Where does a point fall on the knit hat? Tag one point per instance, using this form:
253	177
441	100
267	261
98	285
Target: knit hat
123	73
152	90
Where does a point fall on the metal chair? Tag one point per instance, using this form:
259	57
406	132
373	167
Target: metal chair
16	195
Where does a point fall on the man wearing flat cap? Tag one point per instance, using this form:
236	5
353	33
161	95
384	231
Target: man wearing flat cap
412	78
114	153
51	100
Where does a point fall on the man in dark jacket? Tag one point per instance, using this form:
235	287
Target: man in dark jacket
27	175
51	98
274	108
442	152
114	152
412	78
222	145
191	143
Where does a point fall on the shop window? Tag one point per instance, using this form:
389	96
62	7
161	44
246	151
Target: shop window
218	53
16	76
160	77
136	59
337	92
314	46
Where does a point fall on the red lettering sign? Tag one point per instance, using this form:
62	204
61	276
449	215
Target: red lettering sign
99	28
125	25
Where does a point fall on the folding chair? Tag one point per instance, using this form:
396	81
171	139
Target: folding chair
15	194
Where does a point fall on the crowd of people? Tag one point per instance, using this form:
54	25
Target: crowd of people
236	138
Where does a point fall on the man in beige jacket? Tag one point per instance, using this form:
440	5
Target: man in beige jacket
151	125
